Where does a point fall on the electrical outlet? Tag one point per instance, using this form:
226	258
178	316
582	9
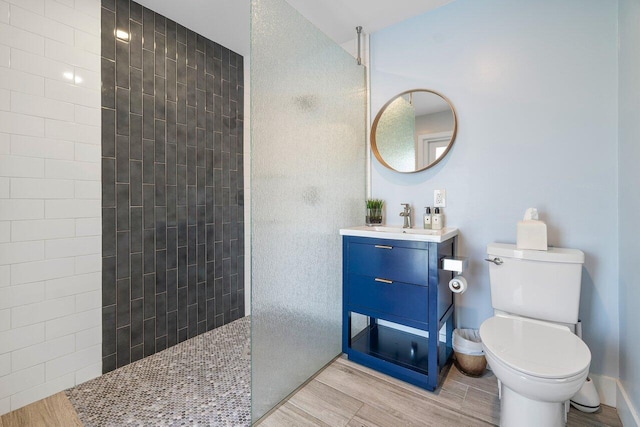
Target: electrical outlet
439	199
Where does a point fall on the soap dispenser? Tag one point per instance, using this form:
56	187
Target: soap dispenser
437	219
427	218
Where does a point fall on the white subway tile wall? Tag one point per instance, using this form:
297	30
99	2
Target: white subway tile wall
50	195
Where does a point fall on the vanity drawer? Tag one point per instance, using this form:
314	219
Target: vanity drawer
395	298
391	262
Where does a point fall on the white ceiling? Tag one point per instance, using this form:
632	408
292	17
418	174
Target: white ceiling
339	18
224	21
227	21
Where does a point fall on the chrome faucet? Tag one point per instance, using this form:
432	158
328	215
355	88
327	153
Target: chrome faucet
406	213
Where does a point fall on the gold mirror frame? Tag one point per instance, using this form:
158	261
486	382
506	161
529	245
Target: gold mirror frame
374	145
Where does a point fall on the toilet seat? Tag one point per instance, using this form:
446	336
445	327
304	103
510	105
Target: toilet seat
535	348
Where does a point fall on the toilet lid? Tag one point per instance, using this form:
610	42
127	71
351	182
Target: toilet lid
534	348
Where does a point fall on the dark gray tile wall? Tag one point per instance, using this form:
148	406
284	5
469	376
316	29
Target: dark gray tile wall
172	180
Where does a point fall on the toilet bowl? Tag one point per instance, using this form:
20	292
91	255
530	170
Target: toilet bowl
540	365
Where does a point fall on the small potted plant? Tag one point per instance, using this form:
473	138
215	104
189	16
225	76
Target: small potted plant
374	211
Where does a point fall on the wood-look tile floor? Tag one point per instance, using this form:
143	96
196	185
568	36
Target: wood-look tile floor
348	394
54	411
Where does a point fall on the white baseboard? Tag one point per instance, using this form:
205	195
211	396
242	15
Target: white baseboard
607	389
627	413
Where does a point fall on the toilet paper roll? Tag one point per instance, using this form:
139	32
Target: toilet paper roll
458	284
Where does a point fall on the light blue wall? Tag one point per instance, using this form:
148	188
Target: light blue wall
535	87
629	202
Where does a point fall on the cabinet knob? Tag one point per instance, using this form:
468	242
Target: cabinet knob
387	281
496	261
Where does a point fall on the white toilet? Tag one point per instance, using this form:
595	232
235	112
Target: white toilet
529	342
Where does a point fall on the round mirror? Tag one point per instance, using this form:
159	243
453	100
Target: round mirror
414	130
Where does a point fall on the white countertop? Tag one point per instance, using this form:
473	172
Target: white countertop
399	233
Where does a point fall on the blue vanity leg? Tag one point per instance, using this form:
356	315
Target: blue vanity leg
346	331
346	314
450	327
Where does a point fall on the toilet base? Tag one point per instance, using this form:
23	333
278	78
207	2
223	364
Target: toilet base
520	411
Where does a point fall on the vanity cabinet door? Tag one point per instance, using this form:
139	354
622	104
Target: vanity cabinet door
389	261
388	299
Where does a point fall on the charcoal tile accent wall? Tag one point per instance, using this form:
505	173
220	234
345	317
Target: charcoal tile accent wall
172	180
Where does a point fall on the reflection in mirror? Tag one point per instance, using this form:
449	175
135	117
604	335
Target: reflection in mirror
413	131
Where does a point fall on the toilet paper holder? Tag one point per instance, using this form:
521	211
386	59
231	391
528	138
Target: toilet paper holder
457	264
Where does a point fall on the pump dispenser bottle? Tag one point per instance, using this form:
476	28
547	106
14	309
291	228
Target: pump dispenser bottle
427	218
437	219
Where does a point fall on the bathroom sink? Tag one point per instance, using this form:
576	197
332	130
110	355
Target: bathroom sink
399	233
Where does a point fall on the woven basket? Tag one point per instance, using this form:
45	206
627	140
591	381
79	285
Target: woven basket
472	366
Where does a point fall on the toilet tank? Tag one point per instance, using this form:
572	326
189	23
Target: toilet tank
542	285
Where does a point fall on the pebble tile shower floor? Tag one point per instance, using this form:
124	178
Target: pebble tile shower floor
204	381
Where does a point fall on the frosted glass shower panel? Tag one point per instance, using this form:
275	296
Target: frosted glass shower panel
307	181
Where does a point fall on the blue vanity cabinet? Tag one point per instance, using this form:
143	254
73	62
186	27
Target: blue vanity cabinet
389	285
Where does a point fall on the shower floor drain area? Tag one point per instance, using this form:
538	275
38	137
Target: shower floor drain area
202	381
